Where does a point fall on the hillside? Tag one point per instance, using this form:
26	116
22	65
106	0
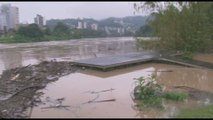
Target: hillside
133	22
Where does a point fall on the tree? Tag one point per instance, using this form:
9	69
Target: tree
184	26
47	31
144	31
61	30
31	31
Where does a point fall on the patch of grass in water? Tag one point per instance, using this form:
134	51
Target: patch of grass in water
155	102
200	112
177	96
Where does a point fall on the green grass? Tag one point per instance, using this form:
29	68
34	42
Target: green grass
22	39
200	112
176	96
155	102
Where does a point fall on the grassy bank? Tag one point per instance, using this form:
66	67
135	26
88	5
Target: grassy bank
21	39
200	112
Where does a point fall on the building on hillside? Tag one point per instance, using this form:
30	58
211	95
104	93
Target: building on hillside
121	30
85	25
80	26
39	20
94	26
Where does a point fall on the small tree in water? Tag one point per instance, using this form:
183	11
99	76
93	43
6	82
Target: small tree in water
147	87
148	93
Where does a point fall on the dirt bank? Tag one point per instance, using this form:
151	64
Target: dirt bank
19	86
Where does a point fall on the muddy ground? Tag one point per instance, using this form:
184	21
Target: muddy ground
19	86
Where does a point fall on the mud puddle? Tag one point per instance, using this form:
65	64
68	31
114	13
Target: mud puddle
83	97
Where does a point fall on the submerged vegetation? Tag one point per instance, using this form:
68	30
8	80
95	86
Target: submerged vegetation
148	93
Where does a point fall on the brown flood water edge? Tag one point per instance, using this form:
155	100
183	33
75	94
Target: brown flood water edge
84	85
33	85
22	84
204	57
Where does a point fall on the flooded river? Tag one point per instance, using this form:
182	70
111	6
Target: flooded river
79	88
22	54
91	93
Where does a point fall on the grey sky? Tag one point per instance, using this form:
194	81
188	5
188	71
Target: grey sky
60	10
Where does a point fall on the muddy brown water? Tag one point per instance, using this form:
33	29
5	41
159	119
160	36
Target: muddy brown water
81	87
77	89
22	54
204	57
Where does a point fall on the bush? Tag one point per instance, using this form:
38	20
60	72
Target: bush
148	93
147	88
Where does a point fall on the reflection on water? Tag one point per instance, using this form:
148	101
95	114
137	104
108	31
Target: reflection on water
75	88
21	54
10	59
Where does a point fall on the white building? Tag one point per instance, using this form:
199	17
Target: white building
121	30
94	27
107	30
9	17
80	26
85	25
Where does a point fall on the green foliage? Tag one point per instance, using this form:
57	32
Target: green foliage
47	31
144	31
186	28
61	30
6	39
148	93
199	112
146	88
175	96
31	32
155	102
187	55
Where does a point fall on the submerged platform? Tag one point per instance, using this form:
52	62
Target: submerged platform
109	62
118	60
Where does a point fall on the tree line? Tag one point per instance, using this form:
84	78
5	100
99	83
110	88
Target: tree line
34	33
181	26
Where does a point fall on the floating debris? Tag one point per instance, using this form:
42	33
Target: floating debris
17	96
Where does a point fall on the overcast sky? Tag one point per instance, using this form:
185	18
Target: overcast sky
61	10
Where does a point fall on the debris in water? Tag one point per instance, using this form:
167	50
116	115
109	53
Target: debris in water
108	100
56	106
16	96
94	92
15	77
